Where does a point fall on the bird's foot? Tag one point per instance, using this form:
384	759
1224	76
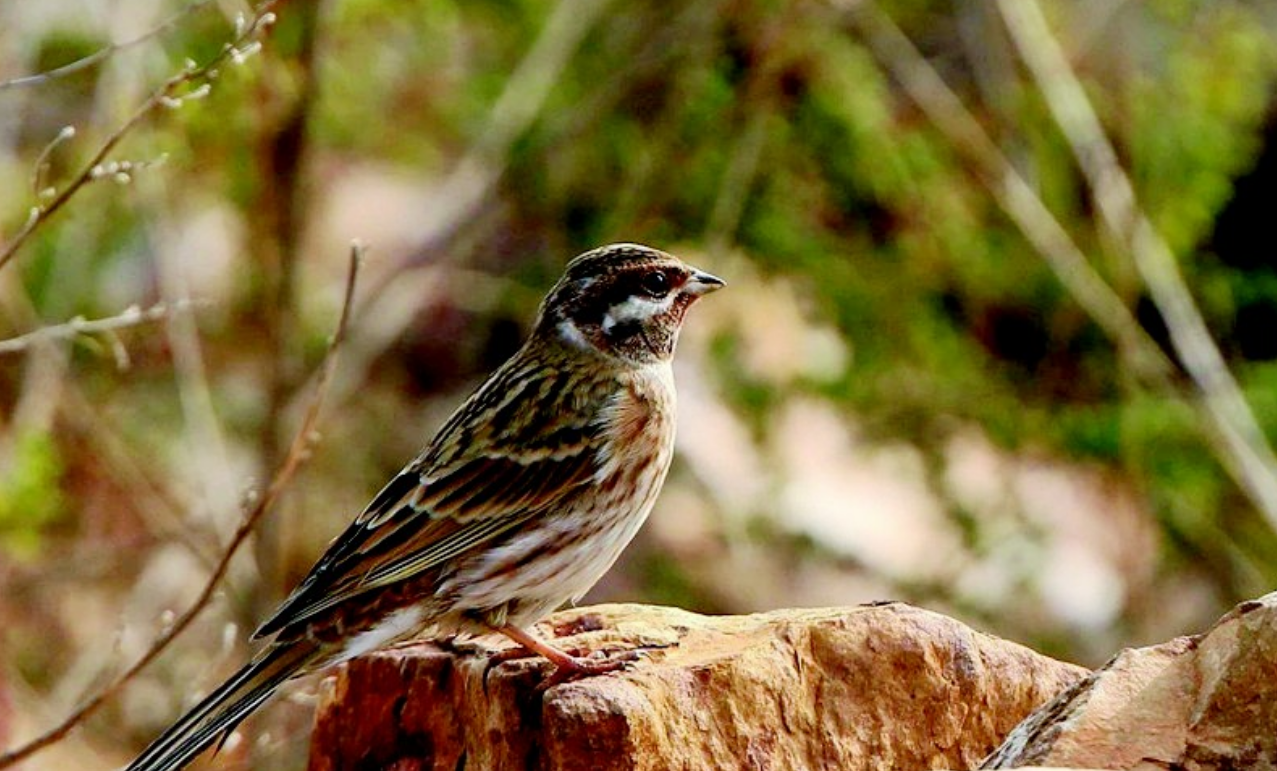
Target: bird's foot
577	667
574	663
569	664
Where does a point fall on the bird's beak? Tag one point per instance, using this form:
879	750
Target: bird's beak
700	283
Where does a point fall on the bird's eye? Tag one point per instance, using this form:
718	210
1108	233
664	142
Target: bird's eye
656	283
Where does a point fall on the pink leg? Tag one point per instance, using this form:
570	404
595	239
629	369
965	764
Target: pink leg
566	666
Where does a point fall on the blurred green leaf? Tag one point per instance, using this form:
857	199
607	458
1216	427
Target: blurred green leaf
30	494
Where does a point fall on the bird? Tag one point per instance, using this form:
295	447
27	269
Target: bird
522	501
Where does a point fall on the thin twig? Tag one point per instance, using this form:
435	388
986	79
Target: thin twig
104	53
42	160
167	95
130	317
298	451
1250	458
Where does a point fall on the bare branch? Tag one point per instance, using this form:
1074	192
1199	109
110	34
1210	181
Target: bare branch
170	95
104	53
131	317
298	451
1249	456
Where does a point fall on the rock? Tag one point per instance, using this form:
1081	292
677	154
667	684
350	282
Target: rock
885	686
1206	702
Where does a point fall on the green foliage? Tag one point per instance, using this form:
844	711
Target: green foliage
668	582
1259	384
1193	118
31	498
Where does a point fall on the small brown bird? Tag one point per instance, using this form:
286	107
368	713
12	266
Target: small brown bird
521	503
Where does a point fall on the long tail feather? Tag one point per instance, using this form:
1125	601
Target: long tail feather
224	708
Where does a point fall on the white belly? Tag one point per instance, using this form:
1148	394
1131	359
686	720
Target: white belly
558	559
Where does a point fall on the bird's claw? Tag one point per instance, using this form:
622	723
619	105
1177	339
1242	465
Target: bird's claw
583	667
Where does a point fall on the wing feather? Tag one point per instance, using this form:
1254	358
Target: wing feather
425	517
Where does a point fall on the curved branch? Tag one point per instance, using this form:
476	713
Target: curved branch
102	54
167	95
130	317
298	451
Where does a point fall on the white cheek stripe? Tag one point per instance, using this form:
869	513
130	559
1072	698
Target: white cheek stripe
636	308
571	334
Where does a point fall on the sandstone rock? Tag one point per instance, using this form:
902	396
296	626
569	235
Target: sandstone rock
1206	702
888	686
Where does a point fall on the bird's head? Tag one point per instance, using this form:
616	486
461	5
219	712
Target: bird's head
624	301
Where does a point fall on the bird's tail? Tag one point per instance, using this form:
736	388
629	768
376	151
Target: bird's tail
224	708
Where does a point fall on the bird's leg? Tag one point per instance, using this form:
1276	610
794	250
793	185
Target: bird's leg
566	666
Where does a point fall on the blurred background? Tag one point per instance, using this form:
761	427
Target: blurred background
956	365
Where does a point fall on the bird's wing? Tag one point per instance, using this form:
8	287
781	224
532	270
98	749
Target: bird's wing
434	511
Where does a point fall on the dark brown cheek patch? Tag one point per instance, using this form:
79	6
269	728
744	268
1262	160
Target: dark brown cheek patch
673	317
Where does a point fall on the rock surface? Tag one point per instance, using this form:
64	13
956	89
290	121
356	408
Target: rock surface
874	687
1205	702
